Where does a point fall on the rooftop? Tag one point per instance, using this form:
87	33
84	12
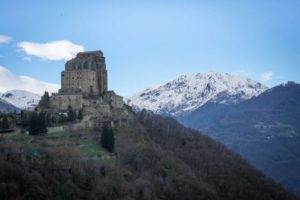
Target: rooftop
88	54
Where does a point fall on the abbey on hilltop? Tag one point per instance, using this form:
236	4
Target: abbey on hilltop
84	88
84	83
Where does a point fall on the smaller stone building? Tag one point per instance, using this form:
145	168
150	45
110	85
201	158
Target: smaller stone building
63	101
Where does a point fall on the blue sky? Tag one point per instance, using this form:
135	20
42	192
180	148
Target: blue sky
151	42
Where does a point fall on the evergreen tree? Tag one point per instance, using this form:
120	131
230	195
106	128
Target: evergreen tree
45	100
107	139
5	123
71	114
22	115
111	144
42	123
25	117
37	124
48	118
62	118
33	124
104	137
80	115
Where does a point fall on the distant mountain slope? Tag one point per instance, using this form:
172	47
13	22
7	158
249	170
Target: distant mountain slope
6	107
187	93
211	163
264	129
261	113
21	98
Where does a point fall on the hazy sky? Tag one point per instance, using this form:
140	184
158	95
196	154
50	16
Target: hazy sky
149	42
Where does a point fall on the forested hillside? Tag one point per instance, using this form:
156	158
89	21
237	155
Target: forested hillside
155	158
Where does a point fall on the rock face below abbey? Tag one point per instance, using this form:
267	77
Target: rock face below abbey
84	87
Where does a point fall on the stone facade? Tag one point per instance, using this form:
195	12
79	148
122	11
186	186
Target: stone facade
63	101
85	80
114	100
87	72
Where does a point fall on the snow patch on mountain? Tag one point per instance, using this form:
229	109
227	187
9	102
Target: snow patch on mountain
21	99
187	93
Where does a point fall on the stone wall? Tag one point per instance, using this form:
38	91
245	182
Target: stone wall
62	101
86	80
92	102
102	80
114	100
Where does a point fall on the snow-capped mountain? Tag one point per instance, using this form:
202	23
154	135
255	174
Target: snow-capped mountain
187	93
6	107
21	99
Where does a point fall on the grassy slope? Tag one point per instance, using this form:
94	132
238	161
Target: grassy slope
82	144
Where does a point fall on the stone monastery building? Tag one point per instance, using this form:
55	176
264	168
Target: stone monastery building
84	84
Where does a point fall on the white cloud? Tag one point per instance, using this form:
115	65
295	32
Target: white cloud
243	72
28	58
5	39
266	76
55	50
10	81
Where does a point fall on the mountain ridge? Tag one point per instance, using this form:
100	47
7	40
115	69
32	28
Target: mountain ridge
187	93
6	107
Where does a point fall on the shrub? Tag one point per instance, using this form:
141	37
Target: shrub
107	139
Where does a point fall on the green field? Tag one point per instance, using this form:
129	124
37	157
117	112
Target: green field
83	144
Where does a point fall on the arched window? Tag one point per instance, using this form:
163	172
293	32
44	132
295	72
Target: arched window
94	65
79	66
86	64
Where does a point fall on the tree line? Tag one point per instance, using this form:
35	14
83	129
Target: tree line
37	122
